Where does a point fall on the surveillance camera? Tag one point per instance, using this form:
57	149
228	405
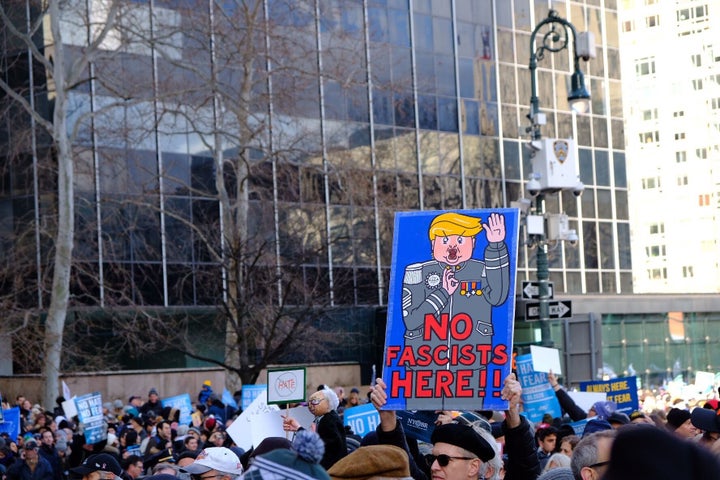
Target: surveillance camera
533	187
572	238
578	189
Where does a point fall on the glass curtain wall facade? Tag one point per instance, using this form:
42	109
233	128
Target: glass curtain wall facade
334	114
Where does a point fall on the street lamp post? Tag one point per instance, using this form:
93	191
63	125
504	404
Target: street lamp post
556	38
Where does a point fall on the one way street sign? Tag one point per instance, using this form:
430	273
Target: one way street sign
556	309
532	290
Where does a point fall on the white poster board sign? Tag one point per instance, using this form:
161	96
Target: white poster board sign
241	429
546	359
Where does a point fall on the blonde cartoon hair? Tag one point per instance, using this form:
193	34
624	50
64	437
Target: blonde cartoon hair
452	223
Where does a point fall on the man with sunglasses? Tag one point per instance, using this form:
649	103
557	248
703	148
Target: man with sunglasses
215	463
461	452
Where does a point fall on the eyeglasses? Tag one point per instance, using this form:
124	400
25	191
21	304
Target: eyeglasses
316	401
599	464
443	460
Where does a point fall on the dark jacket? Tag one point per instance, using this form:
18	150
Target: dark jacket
397	438
332	432
569	406
523	463
20	471
51	454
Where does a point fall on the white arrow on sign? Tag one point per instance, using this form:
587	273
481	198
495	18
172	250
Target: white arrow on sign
532	290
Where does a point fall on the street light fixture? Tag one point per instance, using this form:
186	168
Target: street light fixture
553	160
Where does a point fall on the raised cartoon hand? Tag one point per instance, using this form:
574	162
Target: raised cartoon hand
495	228
449	283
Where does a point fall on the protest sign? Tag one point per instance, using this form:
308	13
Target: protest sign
451	312
418	424
250	393
182	403
241	429
69	408
285	386
89	411
585	400
11	422
545	359
362	419
537	394
621	390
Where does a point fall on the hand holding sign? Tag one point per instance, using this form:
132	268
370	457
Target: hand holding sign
290	424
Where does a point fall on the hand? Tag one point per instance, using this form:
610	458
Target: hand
290	424
443	417
495	228
512	392
552	379
378	396
449	283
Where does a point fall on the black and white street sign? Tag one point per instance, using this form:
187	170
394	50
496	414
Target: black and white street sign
556	309
531	290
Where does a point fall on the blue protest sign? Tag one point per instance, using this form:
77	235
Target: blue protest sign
418	424
11	422
621	390
228	399
89	410
538	396
451	309
184	404
250	393
362	419
579	426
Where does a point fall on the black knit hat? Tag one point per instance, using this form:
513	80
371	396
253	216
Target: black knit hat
465	437
676	417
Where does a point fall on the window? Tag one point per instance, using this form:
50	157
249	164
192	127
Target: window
657	228
652	21
655	251
701	153
681	157
704	199
650	183
680	136
679	114
650	114
682	180
645	66
650	137
697	84
696	59
657	273
715	103
628	26
688	271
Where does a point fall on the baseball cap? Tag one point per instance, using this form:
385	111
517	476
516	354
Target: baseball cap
30	445
215	458
705	419
100	461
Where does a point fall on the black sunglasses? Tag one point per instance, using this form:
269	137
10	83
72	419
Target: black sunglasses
443	460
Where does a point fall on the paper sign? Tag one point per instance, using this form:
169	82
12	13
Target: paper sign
250	393
66	390
538	396
451	309
418	424
89	411
182	403
585	400
621	390
546	359
241	429
301	414
11	422
362	419
69	408
286	386
704	381
266	424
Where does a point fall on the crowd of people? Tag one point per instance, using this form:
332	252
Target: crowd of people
146	441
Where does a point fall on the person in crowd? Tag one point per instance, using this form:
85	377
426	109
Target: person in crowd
592	455
601	409
48	451
99	466
649	452
153	403
132	466
678	422
557	460
31	466
205	391
372	461
216	463
568	443
162	439
299	462
323	405
353	399
546	437
708	422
